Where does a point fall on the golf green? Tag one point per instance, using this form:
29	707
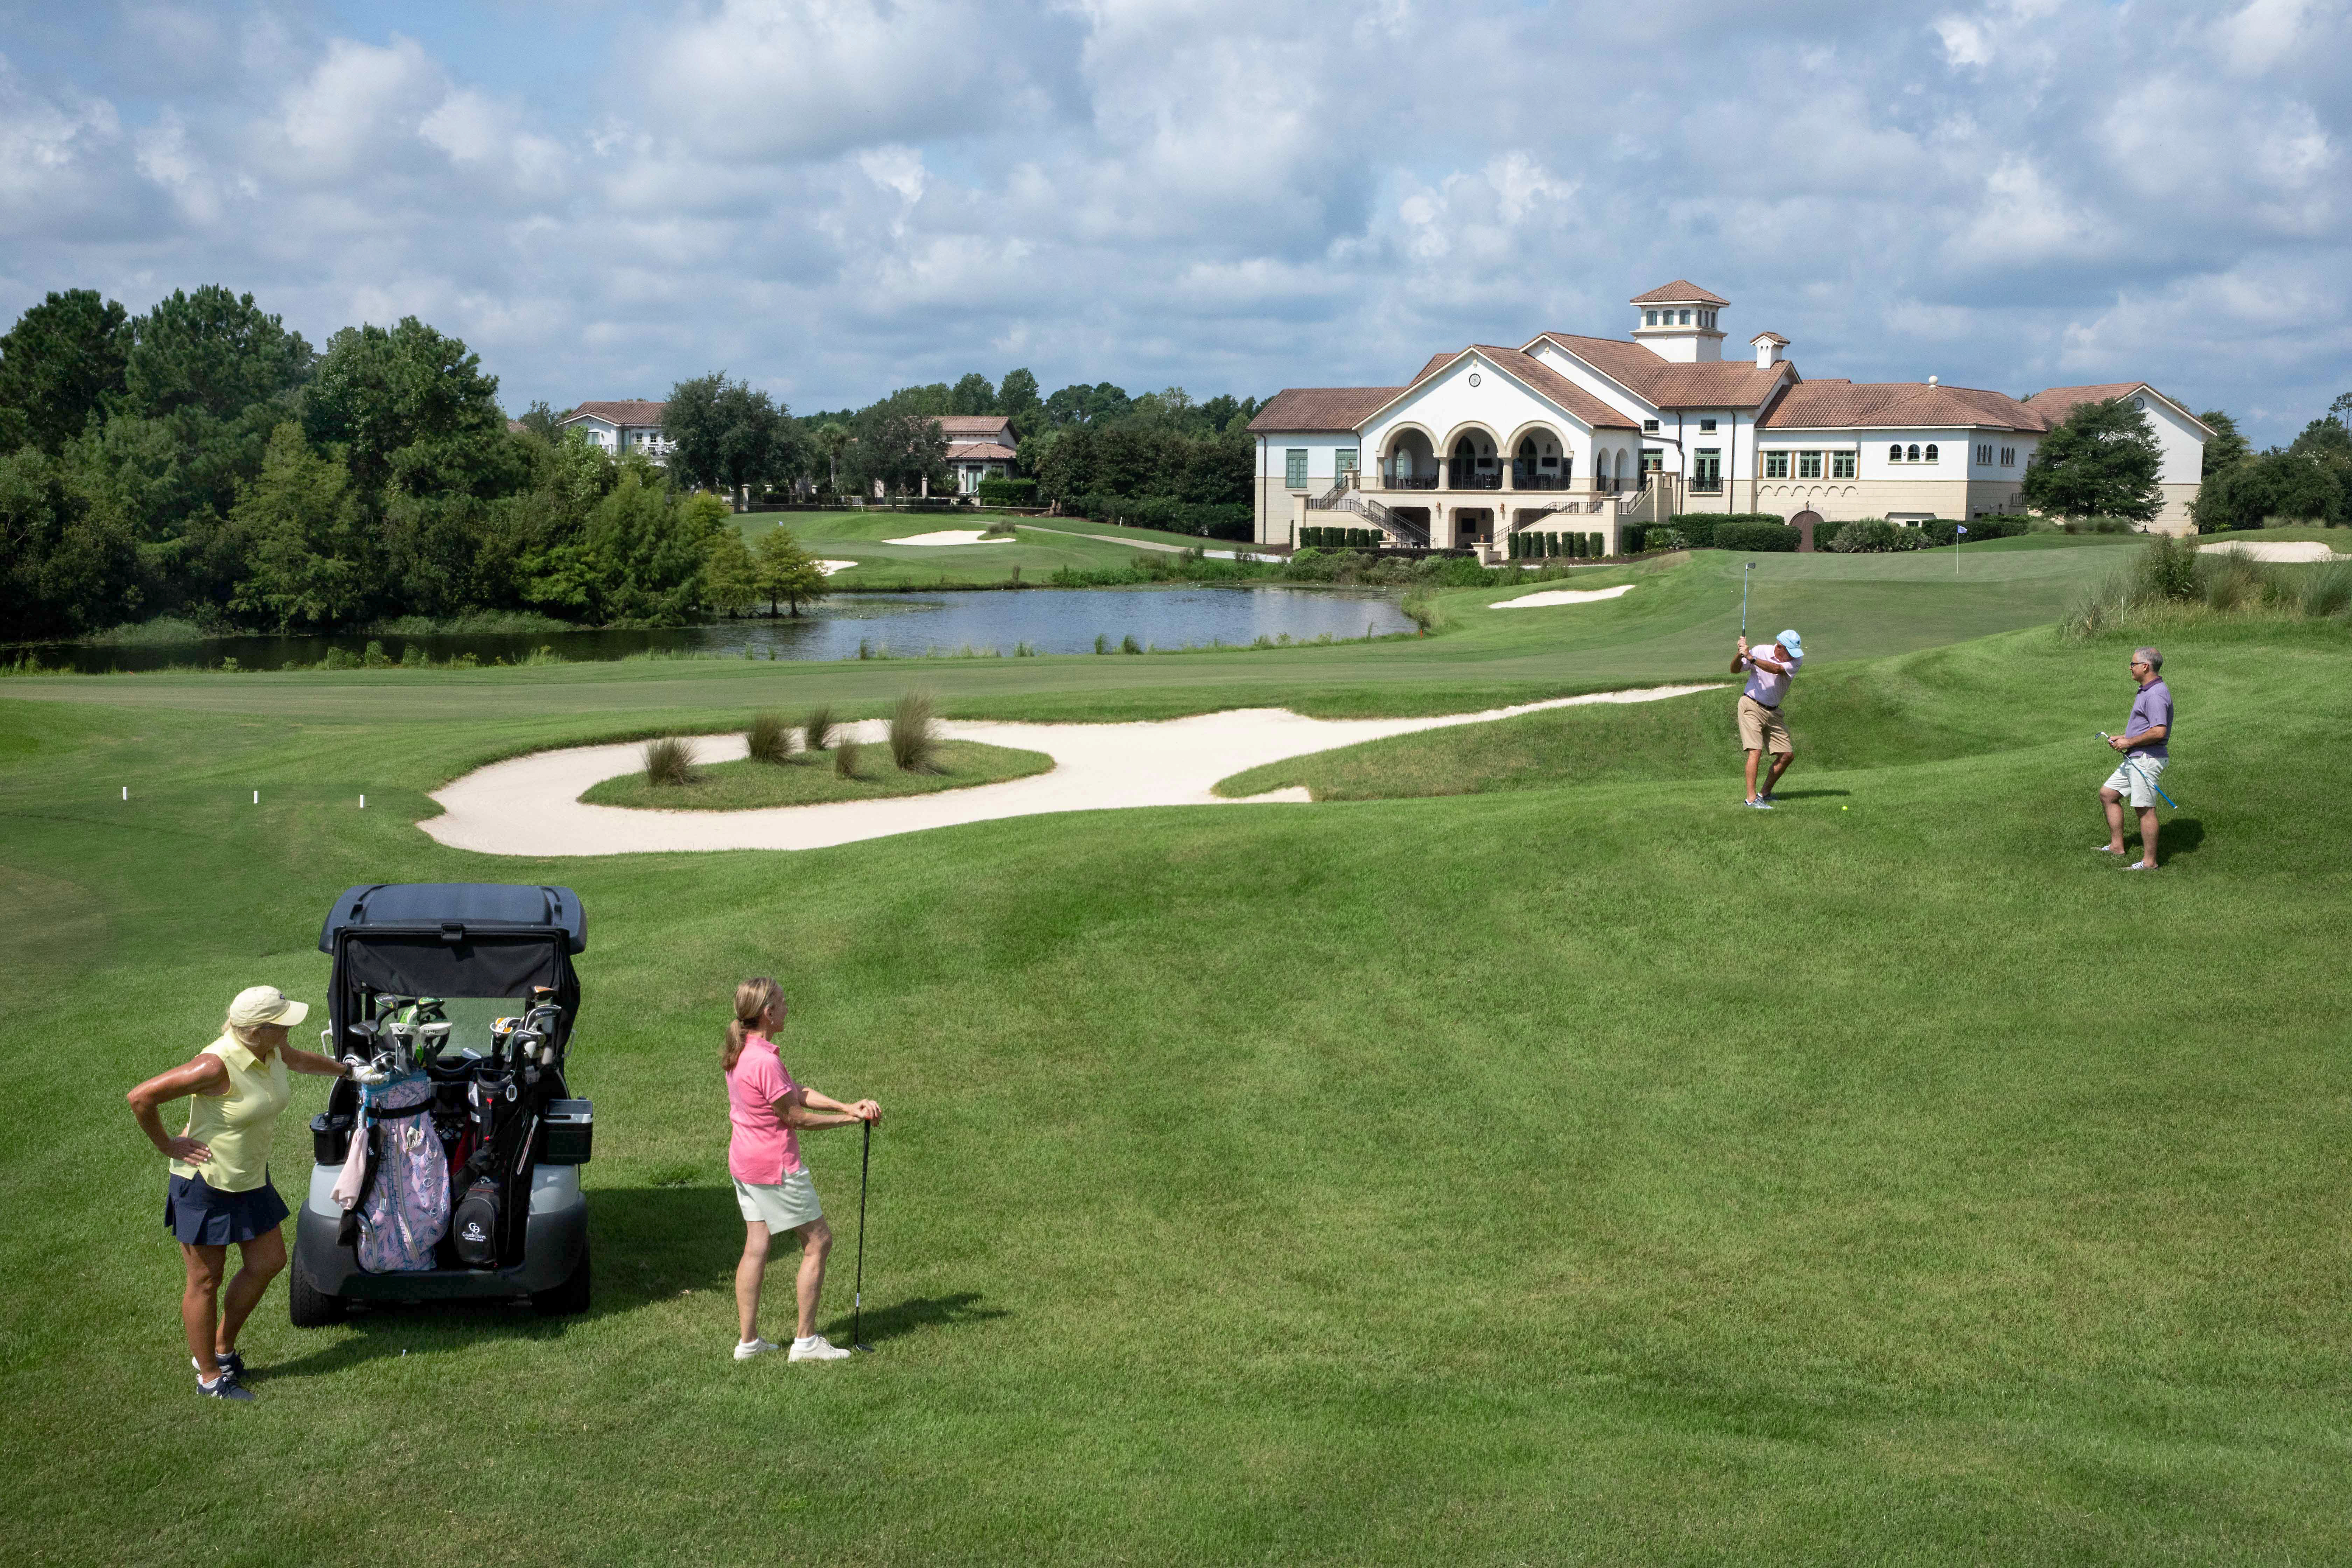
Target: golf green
1574	1171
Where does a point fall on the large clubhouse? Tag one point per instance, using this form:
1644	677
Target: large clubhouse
1487	440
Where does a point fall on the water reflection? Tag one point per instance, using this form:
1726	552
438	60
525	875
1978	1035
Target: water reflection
903	624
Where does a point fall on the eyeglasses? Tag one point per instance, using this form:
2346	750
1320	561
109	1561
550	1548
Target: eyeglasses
2139	664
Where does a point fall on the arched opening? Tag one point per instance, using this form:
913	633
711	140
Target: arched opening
1805	523
1914	456
1473	466
1931	451
1411	462
1539	461
1894	453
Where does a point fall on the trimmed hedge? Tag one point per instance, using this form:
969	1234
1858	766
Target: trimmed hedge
1209	519
1341	538
1764	537
1698	527
1547	546
998	490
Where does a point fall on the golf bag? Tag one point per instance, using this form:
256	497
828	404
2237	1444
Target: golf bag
404	1203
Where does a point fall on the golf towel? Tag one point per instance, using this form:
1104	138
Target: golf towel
407	1206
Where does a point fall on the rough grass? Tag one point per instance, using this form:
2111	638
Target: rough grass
817	733
846	755
810	778
1591	1175
668	763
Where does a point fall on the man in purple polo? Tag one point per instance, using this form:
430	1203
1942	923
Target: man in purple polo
2142	744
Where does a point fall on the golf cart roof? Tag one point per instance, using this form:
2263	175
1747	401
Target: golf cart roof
453	912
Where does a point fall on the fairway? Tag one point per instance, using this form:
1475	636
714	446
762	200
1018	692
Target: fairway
863	538
1525	1156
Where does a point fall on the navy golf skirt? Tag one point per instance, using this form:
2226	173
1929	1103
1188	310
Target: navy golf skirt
201	1216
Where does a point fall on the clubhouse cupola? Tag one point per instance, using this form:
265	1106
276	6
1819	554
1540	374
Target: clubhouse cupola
1676	321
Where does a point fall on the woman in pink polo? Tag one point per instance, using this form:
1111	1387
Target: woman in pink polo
771	1186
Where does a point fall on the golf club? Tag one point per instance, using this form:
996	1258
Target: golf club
857	1291
2141	773
1743	596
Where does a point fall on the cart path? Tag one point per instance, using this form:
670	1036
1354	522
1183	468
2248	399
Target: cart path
530	805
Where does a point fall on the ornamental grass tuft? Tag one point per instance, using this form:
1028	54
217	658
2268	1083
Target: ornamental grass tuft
845	757
915	734
769	740
670	763
817	733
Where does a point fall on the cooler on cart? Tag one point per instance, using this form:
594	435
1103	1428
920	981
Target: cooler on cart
467	1182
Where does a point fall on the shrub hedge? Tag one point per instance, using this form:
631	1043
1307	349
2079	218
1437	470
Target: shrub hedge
1741	533
1698	527
1341	538
998	490
1209	520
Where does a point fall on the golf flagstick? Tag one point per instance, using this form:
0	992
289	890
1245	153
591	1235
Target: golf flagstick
858	1295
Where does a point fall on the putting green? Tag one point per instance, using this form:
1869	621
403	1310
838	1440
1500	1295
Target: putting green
1594	1172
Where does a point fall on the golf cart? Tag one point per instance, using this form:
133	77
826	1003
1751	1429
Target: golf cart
454	1172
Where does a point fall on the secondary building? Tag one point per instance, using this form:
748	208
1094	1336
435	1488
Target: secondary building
621	425
1581	434
980	447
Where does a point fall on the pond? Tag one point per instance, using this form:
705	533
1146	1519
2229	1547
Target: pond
1058	620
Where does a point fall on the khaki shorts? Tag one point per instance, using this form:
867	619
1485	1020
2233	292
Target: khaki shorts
2136	780
1760	729
788	1205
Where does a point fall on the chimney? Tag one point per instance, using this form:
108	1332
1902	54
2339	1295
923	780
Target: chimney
1768	347
1931	381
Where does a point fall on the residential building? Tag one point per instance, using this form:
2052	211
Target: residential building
625	425
1581	434
980	445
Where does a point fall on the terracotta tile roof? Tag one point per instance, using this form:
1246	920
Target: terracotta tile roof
1769	338
1681	291
1320	407
1846	404
972	426
1713	384
621	411
2058	402
980	451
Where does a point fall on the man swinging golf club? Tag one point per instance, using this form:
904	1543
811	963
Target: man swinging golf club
2145	753
1767	669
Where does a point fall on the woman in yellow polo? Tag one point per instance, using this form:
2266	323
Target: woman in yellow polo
220	1190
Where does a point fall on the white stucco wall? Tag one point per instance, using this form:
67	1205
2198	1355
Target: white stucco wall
1322	448
2183	443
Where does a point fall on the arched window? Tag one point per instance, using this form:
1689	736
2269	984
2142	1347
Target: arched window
1914	453
1894	453
1527	447
1931	451
1463	449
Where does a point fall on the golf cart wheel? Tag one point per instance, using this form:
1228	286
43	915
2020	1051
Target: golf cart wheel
567	1299
310	1306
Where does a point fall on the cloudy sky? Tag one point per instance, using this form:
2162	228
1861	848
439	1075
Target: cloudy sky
833	197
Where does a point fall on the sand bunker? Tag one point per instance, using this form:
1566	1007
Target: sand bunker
950	536
829	567
1562	596
2288	552
530	805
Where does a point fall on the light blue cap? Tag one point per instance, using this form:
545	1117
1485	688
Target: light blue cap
1789	640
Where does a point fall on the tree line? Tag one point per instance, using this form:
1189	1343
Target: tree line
2309	480
203	460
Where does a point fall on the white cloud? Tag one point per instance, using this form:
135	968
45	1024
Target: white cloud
835	196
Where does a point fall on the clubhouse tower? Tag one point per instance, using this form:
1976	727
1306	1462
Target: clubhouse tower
1575	432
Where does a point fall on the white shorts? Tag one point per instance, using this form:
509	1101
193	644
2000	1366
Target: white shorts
2136	780
788	1205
